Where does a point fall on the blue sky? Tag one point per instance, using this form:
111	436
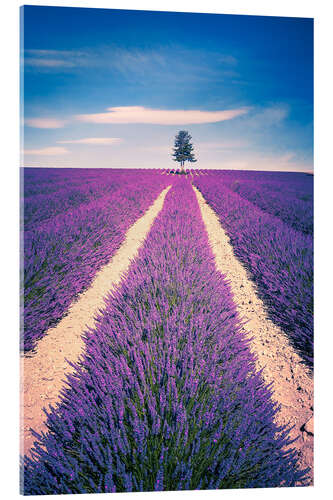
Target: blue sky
111	88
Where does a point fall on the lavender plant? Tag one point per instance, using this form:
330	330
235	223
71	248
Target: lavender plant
49	192
62	253
279	259
166	395
287	195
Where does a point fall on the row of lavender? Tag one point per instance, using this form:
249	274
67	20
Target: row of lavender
287	195
166	395
49	192
65	246
279	258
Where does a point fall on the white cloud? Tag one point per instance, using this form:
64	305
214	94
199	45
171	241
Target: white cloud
140	114
51	151
45	123
93	140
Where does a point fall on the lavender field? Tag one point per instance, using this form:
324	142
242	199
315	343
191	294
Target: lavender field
167	394
269	218
74	221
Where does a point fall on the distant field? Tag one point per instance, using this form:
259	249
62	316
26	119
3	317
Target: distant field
166	394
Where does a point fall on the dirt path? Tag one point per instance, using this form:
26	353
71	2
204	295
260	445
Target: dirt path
292	382
42	375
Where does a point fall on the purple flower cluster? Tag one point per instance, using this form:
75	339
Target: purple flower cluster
287	195
49	192
278	257
166	396
70	237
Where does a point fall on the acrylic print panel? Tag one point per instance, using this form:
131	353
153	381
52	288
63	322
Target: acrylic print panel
167	251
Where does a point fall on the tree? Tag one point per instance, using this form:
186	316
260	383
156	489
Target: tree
183	148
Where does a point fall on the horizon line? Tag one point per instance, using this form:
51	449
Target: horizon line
170	168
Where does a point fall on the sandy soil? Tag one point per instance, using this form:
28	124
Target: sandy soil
292	381
42	375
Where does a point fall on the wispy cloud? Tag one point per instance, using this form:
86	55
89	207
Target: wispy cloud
48	63
93	140
55	59
173	58
121	60
268	117
168	63
140	114
51	151
45	123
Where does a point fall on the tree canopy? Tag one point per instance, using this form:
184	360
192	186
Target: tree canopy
183	148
